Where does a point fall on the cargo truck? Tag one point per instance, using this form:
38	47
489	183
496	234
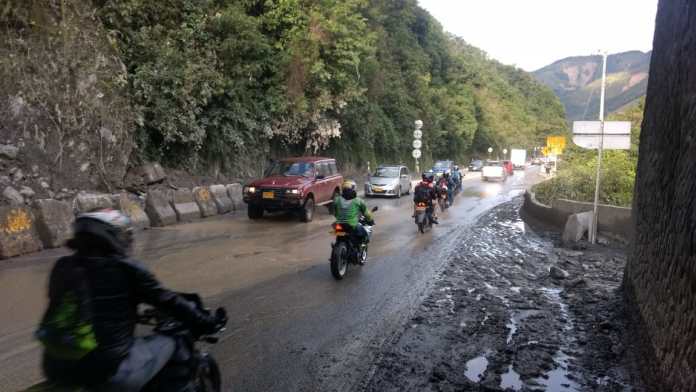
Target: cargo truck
518	157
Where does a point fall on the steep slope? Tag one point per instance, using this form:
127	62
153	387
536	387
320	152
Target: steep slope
577	82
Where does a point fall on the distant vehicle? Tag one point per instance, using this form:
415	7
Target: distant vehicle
493	170
509	168
294	184
476	165
389	180
518	157
440	167
536	161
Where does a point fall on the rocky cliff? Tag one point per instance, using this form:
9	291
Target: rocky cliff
67	122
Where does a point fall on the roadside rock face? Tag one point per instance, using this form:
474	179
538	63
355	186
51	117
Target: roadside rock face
8	151
12	196
18	234
27	192
53	221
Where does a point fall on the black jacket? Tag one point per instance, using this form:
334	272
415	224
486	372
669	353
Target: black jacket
117	286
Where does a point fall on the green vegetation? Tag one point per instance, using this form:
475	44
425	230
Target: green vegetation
232	82
576	174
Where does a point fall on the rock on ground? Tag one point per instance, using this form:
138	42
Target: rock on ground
495	320
53	221
12	196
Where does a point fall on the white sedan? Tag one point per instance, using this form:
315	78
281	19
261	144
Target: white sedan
493	170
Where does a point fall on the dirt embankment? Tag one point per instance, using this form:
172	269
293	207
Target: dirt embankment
513	312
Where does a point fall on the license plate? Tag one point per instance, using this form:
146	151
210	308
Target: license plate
377	189
340	233
268	195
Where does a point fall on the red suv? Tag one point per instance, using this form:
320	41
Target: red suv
294	184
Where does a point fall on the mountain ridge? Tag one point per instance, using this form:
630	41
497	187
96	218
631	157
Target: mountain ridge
576	80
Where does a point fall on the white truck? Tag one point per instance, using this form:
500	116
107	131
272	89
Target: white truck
518	157
493	170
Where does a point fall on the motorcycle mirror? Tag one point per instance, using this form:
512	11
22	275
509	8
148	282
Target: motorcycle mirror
375	208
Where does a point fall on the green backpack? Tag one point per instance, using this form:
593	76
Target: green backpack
66	330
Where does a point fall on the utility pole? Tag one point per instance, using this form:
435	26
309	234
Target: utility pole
593	229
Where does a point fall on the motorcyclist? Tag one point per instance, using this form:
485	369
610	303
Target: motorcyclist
425	192
457	177
348	208
106	355
451	186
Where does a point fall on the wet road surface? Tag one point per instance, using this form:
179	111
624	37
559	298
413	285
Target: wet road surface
292	326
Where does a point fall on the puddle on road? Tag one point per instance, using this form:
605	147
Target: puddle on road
475	368
557	379
510	380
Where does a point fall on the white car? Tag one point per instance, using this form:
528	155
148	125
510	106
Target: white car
392	180
493	170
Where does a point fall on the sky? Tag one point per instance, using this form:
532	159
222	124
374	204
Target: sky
534	33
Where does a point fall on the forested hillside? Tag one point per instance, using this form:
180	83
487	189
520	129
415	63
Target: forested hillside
227	84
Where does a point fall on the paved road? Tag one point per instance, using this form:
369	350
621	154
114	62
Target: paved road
292	326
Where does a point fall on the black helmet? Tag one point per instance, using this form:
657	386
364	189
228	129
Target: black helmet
349	189
105	231
427	177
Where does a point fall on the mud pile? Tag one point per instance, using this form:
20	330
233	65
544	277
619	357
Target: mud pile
513	312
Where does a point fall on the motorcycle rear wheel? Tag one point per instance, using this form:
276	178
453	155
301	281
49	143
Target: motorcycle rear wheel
208	377
339	260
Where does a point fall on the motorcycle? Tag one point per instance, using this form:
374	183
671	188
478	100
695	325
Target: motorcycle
424	217
188	362
442	198
348	248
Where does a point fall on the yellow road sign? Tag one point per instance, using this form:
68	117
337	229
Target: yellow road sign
555	144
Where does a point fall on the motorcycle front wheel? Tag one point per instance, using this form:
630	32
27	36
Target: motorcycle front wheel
339	260
208	377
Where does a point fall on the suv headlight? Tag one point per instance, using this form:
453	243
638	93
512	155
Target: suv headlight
292	191
249	189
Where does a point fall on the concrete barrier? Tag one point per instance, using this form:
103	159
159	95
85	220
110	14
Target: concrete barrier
221	199
235	192
613	220
54	221
158	209
184	205
18	233
130	206
205	201
542	212
87	202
